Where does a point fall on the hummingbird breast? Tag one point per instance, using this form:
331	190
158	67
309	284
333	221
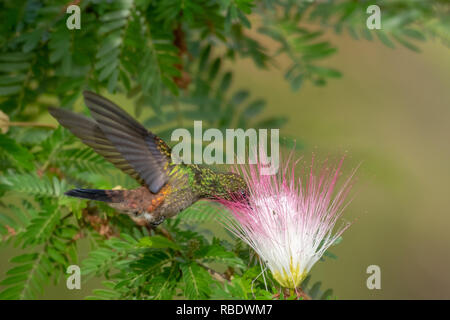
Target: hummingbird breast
147	208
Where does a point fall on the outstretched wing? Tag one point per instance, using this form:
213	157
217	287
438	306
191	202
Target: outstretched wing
120	139
90	133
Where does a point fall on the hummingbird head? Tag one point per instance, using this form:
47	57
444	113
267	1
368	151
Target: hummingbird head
231	186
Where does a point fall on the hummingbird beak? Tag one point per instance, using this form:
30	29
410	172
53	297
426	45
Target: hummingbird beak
245	197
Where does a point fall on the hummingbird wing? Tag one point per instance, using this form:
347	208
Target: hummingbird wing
88	131
148	154
137	151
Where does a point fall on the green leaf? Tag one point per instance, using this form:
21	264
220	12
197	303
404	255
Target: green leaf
327	294
110	26
297	82
314	291
272	123
15	66
163	285
21	156
113	15
11	79
239	97
6	220
157	242
214	68
9	90
254	108
20	269
200	212
11	293
34	185
24	258
326	72
15	56
108	70
385	39
14	279
196	281
111	42
57	256
217	253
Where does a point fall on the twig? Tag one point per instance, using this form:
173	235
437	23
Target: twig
32	124
214	273
302	294
164	232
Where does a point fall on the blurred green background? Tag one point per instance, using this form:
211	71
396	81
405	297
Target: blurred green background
390	113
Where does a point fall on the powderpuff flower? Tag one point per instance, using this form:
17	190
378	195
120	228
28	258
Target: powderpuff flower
289	221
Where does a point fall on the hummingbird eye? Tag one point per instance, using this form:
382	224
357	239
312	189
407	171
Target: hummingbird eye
244	195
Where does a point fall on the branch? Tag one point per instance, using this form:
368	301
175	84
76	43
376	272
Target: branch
32	124
215	274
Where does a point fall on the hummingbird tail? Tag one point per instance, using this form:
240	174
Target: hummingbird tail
112	196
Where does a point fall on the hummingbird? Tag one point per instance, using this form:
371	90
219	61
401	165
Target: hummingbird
166	188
